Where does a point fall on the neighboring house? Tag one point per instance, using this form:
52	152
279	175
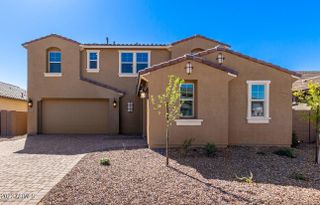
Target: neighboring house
12	98
228	98
303	127
13	110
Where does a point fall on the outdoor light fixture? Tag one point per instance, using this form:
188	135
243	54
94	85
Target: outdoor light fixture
143	94
220	58
114	103
30	103
189	68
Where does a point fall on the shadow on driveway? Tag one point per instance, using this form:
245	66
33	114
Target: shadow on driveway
79	144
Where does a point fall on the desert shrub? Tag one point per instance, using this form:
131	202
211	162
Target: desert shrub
285	152
105	161
295	141
298	176
210	149
261	153
186	145
246	179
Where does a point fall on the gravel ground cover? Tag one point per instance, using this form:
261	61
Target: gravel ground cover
11	138
139	176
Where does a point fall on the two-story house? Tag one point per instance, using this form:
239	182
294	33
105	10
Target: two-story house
228	98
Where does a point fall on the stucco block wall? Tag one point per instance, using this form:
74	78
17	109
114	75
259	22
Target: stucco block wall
211	106
12	104
13	123
303	129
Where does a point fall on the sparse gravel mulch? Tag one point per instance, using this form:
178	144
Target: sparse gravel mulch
140	177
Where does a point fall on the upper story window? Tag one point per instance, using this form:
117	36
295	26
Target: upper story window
93	60
54	62
53	68
187	100
258	101
131	62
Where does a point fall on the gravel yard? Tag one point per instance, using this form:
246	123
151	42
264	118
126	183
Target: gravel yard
139	176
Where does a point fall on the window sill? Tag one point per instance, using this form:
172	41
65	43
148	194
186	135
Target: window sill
90	70
189	122
52	74
128	75
258	120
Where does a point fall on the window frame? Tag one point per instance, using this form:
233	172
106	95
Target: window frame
93	70
134	62
49	62
193	101
266	105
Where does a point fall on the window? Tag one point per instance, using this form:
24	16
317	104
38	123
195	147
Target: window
258	101
130	106
187	100
93	61
131	62
54	62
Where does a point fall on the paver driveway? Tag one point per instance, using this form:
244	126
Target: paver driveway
31	166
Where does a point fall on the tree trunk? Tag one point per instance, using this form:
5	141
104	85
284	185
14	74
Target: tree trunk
167	146
317	137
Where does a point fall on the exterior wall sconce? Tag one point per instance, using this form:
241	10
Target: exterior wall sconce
189	68
114	103
220	58
30	103
143	94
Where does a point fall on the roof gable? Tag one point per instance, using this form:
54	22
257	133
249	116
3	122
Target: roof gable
220	48
49	36
199	36
185	58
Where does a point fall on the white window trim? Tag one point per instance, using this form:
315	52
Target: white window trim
52	74
134	62
93	70
186	117
49	62
266	118
189	122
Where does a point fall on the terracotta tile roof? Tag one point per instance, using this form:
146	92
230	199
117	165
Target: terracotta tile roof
307	76
199	36
220	48
188	57
103	85
124	44
12	92
51	35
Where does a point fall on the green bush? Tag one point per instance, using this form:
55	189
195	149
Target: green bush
210	149
246	179
186	145
105	161
298	176
285	152
295	141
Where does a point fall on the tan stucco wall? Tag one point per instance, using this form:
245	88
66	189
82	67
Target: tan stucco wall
182	48
68	86
12	104
279	130
131	123
211	106
304	129
13	123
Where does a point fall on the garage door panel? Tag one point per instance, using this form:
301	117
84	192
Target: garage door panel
75	116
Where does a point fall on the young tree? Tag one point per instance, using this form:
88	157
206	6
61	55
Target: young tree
169	104
312	99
